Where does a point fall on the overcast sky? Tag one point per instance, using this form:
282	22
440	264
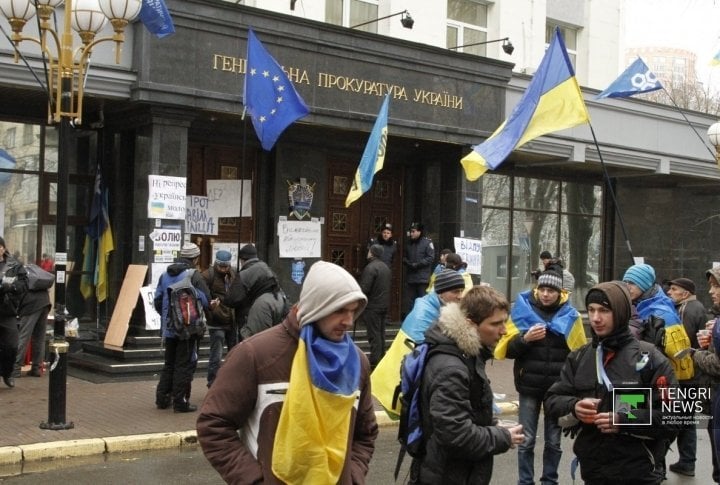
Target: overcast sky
686	24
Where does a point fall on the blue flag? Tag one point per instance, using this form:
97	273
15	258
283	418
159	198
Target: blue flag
373	157
155	17
6	161
636	79
270	97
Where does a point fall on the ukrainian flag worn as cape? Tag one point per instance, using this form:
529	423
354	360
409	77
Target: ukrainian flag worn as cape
552	102
659	305
566	322
386	375
312	435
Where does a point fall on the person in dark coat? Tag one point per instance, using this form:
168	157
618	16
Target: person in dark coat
9	336
181	355
389	245
693	316
546	319
375	282
418	259
221	318
32	325
456	399
610	447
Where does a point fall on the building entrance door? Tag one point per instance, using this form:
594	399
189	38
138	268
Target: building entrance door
348	231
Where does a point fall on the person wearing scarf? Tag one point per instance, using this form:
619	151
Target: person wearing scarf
543	328
609	447
292	404
708	361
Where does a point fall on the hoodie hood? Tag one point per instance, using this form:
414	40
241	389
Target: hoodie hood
617	295
179	266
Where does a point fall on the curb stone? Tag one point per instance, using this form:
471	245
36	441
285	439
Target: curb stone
12	455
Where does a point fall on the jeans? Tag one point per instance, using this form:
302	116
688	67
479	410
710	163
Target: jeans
219	337
528	415
687	445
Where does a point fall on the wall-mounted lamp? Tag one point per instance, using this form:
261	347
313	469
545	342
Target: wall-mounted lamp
406	20
507	46
714	136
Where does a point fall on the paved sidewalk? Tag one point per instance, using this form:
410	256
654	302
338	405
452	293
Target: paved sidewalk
103	411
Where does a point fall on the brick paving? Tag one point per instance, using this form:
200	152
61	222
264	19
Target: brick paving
96	410
121	408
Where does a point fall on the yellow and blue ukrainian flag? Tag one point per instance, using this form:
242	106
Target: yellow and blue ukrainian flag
312	435
372	158
98	233
552	102
566	322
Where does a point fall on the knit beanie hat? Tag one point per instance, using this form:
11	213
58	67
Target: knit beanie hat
247	252
190	251
615	296
550	279
223	258
327	288
641	275
376	250
448	279
685	283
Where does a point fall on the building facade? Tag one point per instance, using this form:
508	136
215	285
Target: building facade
173	107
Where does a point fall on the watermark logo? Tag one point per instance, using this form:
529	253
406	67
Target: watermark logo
632	406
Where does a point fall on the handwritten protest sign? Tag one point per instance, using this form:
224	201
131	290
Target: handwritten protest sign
470	250
299	239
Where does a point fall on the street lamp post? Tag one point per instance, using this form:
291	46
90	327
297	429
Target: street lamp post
68	65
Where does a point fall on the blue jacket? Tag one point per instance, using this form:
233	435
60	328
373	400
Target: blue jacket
175	273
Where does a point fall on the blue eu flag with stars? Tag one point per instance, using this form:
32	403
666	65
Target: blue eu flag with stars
270	97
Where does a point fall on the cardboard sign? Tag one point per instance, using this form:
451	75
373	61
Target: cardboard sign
126	302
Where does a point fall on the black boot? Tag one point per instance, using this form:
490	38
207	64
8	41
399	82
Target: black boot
184	407
9	381
162	401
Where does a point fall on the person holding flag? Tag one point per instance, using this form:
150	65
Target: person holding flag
298	392
543	328
270	97
552	102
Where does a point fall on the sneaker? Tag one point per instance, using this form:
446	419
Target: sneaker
680	469
185	408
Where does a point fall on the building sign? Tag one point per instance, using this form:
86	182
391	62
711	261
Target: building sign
299	239
166	197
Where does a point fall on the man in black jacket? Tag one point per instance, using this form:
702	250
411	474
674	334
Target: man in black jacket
418	259
613	446
8	318
375	282
32	324
459	429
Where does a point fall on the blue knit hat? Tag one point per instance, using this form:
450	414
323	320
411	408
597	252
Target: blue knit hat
223	258
642	275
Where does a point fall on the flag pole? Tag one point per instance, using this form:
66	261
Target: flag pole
712	154
612	193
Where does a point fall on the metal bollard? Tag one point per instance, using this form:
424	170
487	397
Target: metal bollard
57	386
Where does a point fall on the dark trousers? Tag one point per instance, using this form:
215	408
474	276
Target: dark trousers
32	329
374	322
413	291
218	338
180	363
9	338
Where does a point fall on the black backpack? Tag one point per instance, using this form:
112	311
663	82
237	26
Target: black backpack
185	311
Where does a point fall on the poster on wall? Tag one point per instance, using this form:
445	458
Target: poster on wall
299	239
198	219
224	196
152	317
166	197
166	239
470	250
